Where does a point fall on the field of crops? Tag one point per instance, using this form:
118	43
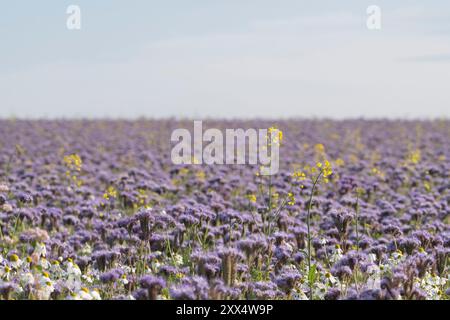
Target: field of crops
97	210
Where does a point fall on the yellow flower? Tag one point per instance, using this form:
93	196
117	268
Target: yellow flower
73	161
327	170
252	198
110	193
321	168
377	172
340	162
275	139
360	191
291	199
13	258
414	157
300	176
200	175
319	148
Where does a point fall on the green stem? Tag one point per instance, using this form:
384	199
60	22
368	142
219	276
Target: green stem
357	222
308	223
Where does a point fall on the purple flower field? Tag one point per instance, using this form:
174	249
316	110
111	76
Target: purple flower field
97	210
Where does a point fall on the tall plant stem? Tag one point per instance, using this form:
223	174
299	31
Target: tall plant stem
357	221
269	209
308	223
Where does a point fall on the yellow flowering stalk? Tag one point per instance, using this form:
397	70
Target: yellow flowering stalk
73	164
414	157
276	139
274	136
320	170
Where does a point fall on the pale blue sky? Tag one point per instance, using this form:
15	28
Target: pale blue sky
209	58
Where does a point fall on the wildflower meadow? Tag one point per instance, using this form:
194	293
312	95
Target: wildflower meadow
96	209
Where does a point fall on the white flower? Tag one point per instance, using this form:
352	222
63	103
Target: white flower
84	294
156	265
26	279
44	263
7	207
73	269
299	295
127	269
95	295
86	250
178	259
5	272
374	281
396	257
73	281
290	267
55	268
373	269
319	290
87	278
73	296
4	187
45	289
372	257
15	261
337	255
331	278
40	250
